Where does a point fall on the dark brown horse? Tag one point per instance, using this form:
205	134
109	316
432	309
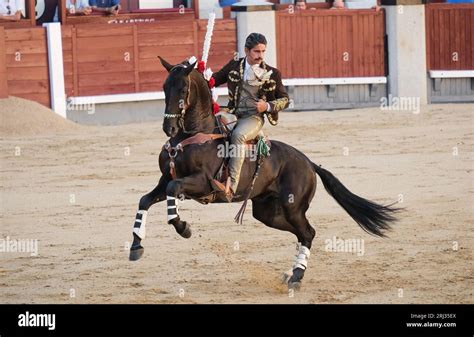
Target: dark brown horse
281	195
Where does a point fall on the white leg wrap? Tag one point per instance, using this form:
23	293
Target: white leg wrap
301	259
172	203
139	228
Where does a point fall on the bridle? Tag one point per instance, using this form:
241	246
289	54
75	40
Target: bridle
183	106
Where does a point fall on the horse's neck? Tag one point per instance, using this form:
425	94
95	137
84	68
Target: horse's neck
208	126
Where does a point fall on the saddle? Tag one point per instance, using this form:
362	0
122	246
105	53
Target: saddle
227	122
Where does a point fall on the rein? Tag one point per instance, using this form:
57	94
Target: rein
199	138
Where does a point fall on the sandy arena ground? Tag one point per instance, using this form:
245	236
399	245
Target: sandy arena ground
77	191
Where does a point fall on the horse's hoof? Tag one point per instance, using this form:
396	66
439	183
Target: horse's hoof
136	253
285	277
186	233
294	285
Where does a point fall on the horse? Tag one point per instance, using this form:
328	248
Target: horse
280	196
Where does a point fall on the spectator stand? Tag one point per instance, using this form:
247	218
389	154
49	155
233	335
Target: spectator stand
132	13
28	20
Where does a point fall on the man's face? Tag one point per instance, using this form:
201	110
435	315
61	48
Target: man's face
300	5
256	54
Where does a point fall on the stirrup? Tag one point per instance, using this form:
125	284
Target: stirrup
220	187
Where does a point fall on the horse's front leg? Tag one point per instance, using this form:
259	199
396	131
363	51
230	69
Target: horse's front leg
193	185
139	228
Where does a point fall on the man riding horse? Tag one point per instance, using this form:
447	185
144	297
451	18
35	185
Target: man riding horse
255	89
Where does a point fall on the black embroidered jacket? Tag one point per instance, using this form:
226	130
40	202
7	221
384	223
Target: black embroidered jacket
271	89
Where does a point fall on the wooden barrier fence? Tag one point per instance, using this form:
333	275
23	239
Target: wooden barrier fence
450	36
24	70
329	43
115	59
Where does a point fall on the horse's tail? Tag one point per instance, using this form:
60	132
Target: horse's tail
371	217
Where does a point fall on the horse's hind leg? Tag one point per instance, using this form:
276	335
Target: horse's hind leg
139	228
269	210
295	200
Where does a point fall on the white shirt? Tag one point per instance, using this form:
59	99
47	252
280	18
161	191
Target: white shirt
10	7
249	74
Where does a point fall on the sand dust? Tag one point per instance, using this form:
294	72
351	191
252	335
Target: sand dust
76	192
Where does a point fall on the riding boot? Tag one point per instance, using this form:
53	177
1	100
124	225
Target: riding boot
226	189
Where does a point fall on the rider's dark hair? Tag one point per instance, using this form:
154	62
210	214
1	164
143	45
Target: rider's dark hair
255	39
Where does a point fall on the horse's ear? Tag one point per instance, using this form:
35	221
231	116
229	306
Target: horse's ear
190	68
166	64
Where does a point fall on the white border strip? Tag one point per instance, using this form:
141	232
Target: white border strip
334	81
158	95
135	97
451	73
56	73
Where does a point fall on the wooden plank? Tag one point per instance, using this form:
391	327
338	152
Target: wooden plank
28	73
66	31
152	52
75	57
25	34
371	45
338	44
26	47
176	27
218	62
115	54
135	58
41	98
104	31
303	46
219	37
147	87
28	86
469	39
321	44
105	79
459	18
94	44
103	67
165	39
67	43
437	39
67	54
195	40
429	29
107	89
68	85
381	48
309	41
153	76
3	66
26	60
452	40
68	69
356	37
220	24
30	11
